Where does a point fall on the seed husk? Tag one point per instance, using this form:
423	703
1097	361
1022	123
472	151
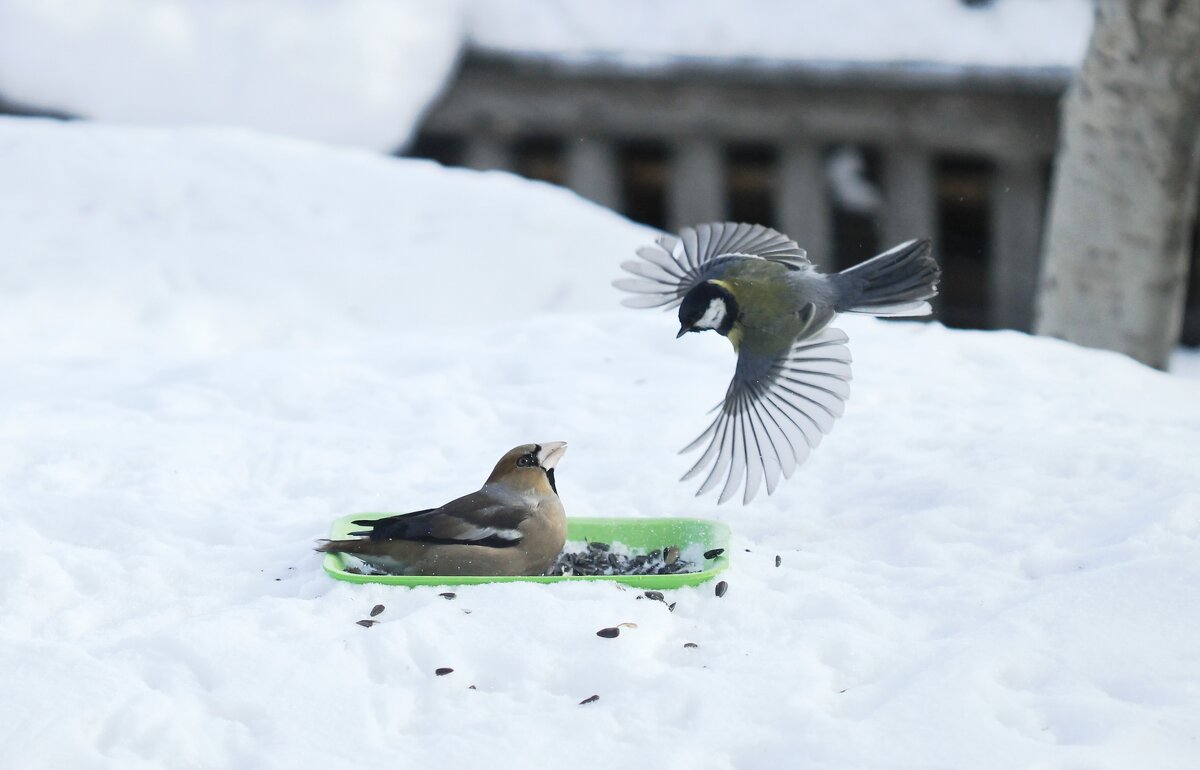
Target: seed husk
448	595
609	633
367	623
714	553
722	587
671	606
688	645
589	699
443	671
655	595
778	560
627	625
378	608
670	554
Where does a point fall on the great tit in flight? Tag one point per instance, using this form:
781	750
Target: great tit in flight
513	525
757	287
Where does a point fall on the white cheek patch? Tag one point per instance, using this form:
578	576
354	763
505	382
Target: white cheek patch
714	316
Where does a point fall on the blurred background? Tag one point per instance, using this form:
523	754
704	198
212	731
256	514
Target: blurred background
849	125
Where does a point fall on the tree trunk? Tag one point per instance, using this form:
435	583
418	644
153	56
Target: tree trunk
1115	262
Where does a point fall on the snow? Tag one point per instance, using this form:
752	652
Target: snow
1186	362
357	72
214	343
362	72
1008	34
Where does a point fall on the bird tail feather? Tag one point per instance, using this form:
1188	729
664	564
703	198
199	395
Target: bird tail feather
898	282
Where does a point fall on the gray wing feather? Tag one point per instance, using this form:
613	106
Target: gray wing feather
775	412
673	265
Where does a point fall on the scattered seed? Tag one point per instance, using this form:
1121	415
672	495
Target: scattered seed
722	587
670	555
448	595
627	625
378	608
714	553
466	612
470	687
841	691
278	579
444	671
655	595
591	699
608	633
690	644
367	623
778	560
671	606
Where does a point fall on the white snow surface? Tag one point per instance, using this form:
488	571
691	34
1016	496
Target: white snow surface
1009	34
358	72
214	343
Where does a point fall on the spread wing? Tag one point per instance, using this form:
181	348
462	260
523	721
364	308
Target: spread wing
673	266
475	519
775	412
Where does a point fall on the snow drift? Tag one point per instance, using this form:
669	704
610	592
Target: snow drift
212	344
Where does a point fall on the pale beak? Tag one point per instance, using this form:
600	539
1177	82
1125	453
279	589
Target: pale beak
552	452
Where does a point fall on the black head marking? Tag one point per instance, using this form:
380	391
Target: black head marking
529	460
696	303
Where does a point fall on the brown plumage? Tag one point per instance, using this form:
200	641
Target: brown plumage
513	525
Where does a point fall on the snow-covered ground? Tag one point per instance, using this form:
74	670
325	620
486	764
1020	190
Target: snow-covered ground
212	344
1186	362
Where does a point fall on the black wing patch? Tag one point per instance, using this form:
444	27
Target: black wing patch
673	266
495	526
775	412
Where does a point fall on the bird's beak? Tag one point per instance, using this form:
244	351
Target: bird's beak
552	452
682	331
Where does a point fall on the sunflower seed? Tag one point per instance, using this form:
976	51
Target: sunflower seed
608	633
378	608
470	687
778	560
671	555
655	595
448	595
714	553
443	671
590	699
722	587
671	606
367	623
686	645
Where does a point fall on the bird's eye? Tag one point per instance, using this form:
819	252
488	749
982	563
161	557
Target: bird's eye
527	460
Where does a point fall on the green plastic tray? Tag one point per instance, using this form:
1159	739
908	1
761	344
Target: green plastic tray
636	534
